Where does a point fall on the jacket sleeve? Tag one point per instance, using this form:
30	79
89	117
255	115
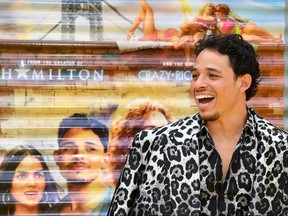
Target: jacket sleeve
126	190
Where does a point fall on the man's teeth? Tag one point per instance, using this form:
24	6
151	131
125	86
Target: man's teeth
204	96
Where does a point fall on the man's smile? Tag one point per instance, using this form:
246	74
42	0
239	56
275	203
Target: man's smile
204	99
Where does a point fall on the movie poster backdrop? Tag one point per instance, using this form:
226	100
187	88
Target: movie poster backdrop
113	68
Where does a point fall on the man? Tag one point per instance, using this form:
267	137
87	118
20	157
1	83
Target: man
81	158
224	160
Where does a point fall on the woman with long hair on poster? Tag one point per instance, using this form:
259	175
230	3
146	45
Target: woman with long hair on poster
231	23
27	186
181	39
140	114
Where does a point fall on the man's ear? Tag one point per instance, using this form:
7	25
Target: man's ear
107	159
57	157
246	81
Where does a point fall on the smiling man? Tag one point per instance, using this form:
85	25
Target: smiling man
224	160
82	158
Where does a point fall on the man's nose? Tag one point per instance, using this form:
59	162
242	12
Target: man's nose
79	153
200	82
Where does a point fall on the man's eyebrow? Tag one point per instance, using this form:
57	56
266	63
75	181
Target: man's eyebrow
207	68
66	143
213	69
93	143
193	69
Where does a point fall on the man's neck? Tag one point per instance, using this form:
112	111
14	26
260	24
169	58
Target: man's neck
225	135
230	125
85	197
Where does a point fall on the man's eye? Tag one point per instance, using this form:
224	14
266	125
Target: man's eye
194	76
213	75
67	148
91	149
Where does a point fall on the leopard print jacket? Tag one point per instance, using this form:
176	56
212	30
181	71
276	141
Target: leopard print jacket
175	170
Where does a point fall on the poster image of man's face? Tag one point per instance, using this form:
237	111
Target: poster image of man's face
81	156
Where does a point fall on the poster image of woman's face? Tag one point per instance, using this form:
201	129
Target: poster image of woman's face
27	186
28	183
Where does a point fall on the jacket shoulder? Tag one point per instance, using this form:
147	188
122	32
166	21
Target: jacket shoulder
269	131
189	122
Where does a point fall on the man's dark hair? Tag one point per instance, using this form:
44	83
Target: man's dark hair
86	122
242	56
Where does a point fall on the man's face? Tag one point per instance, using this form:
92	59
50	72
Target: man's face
214	87
80	156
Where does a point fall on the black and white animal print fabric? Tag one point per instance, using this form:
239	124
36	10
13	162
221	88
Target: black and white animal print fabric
176	170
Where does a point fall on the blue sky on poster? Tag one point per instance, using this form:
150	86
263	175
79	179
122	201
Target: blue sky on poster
32	19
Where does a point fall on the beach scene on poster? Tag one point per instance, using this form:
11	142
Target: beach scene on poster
112	20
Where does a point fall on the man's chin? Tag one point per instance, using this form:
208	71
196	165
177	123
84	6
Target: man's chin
211	117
